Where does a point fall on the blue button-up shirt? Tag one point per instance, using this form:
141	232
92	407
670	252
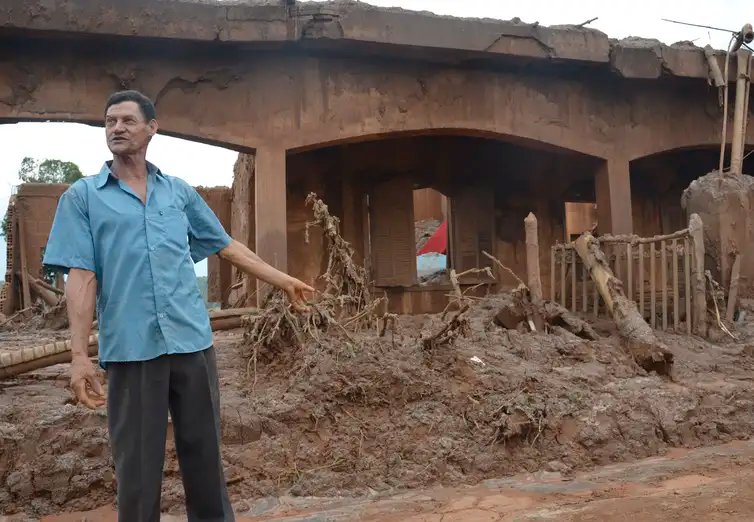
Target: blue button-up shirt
148	301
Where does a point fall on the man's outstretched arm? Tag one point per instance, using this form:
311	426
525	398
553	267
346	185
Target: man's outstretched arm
248	262
81	297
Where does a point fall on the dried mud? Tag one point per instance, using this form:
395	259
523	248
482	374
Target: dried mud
382	414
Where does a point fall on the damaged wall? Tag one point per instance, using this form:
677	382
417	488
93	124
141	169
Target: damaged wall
34	210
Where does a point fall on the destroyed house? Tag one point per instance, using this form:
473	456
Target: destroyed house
415	129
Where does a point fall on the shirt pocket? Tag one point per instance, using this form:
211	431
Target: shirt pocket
173	225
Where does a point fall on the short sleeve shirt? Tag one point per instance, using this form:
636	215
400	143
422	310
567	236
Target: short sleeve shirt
143	255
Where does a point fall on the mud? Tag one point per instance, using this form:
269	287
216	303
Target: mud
389	416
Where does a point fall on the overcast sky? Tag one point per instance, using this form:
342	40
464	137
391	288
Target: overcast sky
205	165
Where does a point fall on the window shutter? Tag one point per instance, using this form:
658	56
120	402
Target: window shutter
393	245
472	230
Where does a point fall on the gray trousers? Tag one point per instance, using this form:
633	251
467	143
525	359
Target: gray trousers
139	395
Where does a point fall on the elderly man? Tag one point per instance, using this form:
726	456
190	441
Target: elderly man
128	239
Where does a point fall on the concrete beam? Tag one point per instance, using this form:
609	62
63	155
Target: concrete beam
417	35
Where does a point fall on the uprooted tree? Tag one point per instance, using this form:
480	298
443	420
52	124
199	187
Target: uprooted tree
640	340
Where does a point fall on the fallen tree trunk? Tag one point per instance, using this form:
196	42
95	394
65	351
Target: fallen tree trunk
36	357
640	340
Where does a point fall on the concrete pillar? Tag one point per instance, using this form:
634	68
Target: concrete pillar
270	209
613	188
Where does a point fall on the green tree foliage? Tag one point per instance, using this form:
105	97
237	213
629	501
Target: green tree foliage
46	171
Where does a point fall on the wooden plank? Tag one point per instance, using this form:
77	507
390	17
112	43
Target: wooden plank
596	301
674	246
652	286
552	273
733	293
630	271
573	281
270	210
687	273
664	280
642	305
563	277
696	231
21	245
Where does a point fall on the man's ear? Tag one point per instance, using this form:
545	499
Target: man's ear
153	128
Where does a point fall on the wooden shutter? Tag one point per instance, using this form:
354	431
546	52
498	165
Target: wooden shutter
393	245
472	226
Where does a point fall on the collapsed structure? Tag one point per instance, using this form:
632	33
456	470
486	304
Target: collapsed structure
365	106
502	149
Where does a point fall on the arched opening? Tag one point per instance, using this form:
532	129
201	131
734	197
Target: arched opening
83	146
658	181
389	195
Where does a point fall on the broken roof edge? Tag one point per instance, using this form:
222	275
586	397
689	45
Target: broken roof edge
270	21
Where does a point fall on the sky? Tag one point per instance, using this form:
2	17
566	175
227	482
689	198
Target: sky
201	164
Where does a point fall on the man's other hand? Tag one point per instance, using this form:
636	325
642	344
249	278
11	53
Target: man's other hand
85	383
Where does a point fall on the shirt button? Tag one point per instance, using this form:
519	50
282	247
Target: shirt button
151	249
161	316
161	212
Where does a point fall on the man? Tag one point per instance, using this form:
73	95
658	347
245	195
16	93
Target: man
128	239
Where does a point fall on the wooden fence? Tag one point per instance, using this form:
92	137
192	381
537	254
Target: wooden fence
664	275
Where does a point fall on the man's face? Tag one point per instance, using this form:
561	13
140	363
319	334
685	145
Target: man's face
127	130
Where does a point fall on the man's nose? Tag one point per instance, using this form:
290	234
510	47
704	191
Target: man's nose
119	127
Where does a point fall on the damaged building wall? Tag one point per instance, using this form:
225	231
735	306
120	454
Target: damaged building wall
311	95
33	211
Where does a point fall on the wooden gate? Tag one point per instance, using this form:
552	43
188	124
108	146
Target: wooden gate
659	273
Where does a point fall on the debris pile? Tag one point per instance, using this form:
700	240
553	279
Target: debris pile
348	400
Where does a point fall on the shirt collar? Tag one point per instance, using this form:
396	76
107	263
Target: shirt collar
105	173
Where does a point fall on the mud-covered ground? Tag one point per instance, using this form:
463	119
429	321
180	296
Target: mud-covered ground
381	414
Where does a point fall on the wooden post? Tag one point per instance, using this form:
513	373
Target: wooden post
664	279
652	286
562	276
630	271
674	245
642	304
618	265
584	296
687	273
696	232
596	301
552	273
733	293
573	280
21	245
534	278
271	212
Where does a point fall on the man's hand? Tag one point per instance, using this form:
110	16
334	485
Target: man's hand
296	291
85	384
